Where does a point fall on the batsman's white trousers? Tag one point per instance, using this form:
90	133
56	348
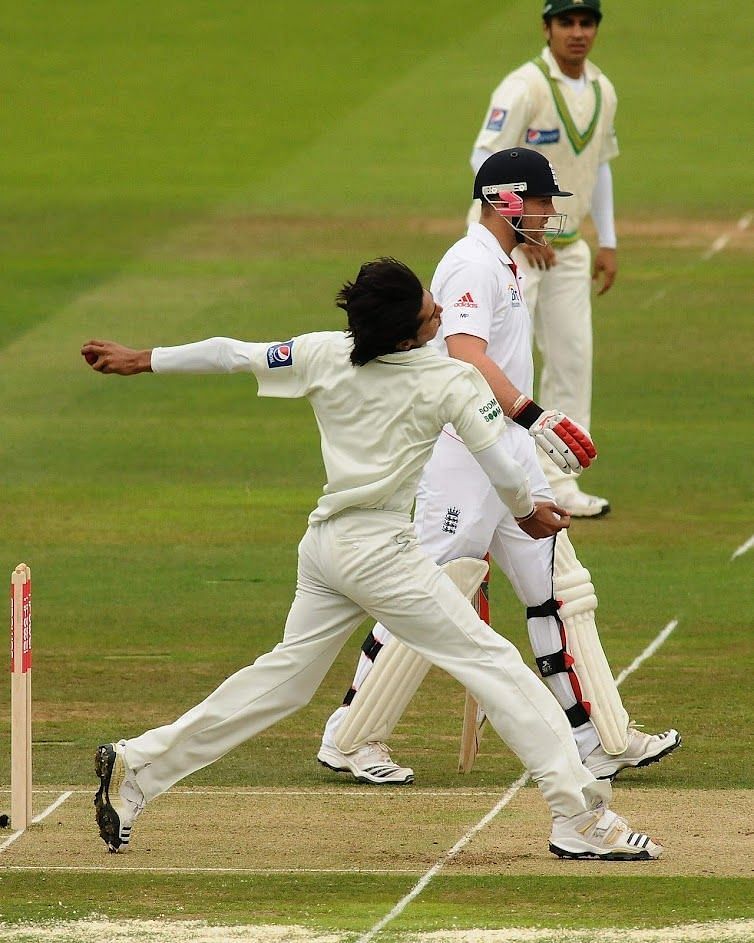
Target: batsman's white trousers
370	562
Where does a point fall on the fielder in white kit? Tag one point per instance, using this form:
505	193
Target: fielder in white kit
380	398
458	514
563	106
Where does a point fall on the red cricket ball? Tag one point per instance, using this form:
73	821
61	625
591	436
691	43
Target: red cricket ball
90	357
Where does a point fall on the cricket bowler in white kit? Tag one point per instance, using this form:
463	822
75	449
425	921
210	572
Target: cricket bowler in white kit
380	398
563	106
459	515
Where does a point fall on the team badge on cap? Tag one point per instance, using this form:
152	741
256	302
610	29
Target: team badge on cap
280	355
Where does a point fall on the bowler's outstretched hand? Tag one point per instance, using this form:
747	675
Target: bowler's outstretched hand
109	357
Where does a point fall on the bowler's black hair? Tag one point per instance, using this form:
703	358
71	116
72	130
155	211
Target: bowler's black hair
383	306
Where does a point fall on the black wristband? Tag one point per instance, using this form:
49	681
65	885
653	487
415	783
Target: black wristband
526	517
528	415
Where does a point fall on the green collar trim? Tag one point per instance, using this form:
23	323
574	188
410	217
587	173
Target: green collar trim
565	239
578	140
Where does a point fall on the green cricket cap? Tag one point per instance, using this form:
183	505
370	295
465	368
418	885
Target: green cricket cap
553	7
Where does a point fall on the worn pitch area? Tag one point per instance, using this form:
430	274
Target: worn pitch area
705	833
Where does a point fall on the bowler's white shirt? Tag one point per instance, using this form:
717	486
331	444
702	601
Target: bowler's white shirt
378	423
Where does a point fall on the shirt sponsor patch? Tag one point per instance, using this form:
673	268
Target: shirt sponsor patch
542	136
490	411
466	301
280	355
496	119
515	296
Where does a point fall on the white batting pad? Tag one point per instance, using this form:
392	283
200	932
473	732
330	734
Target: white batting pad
396	675
573	587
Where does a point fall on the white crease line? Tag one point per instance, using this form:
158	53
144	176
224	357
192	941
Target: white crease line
394	796
37	818
509	795
448	856
717	246
51	808
747	545
659	294
722	241
648	651
9	841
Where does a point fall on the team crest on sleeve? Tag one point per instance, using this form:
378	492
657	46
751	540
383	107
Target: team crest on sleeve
496	119
280	355
542	136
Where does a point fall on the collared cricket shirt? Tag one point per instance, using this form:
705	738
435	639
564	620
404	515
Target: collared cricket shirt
481	295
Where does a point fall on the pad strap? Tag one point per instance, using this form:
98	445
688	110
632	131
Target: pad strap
554	664
350	695
560	662
548	608
371	647
579	713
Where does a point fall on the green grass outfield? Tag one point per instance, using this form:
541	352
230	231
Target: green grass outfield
171	172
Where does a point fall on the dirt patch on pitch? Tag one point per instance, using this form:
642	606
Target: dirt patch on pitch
705	833
678	233
195	931
257	236
159	931
730	931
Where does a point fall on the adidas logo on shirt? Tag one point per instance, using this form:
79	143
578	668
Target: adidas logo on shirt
466	301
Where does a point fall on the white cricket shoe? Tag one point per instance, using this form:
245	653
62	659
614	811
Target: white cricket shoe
601	834
369	764
642	749
116	815
577	502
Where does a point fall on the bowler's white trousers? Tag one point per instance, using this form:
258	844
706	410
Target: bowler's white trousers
370	562
459	514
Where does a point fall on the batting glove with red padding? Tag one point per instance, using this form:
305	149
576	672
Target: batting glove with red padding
567	444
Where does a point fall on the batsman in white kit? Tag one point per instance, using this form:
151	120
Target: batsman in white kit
459	514
381	398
